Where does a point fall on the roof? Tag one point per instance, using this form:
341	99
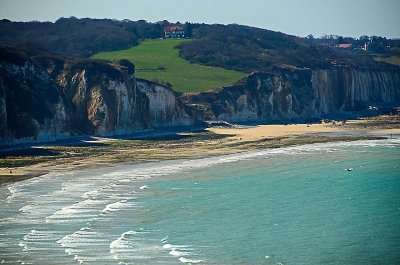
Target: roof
345	46
172	28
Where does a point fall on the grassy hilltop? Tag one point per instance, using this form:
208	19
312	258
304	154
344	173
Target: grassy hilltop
240	48
159	60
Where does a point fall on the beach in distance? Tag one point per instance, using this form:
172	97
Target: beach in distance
21	163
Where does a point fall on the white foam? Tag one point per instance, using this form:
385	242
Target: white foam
130	246
14	191
81	243
39	240
125	180
77	239
116	206
90	194
167	246
81	210
121	242
182	247
144	187
180	251
69	251
27	208
24	245
177	253
193	261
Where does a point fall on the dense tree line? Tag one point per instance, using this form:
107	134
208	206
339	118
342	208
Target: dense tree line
250	49
230	46
78	37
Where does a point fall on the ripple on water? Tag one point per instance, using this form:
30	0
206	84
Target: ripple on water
184	253
84	245
82	211
133	246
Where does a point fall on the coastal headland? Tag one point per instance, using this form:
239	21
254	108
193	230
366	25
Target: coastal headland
130	94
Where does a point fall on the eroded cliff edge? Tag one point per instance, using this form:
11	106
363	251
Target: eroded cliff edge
44	98
284	94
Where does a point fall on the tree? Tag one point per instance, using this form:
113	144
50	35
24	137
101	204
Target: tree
188	29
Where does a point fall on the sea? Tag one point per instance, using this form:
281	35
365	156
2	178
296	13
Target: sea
330	203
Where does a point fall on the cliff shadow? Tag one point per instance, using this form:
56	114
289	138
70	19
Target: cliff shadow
28	152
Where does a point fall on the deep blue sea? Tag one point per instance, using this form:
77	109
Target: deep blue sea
334	203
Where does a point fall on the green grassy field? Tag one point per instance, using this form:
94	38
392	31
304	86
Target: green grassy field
152	55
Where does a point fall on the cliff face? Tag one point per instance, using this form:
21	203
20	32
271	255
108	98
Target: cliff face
287	94
344	89
44	98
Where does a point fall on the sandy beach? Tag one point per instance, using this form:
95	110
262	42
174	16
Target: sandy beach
263	131
100	151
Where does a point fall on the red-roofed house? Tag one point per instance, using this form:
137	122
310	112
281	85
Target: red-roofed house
345	46
174	32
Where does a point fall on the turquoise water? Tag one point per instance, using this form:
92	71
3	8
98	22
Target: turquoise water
295	205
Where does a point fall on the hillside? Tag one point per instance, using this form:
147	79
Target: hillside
252	49
159	60
234	47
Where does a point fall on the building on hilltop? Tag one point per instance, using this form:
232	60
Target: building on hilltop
344	46
174	32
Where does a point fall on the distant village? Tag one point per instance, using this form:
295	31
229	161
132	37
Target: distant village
363	43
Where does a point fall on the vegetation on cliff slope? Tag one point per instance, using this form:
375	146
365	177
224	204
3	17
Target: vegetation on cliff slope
392	56
159	60
252	49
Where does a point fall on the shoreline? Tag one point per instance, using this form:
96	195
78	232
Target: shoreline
43	159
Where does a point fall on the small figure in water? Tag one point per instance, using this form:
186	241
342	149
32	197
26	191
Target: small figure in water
349	169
